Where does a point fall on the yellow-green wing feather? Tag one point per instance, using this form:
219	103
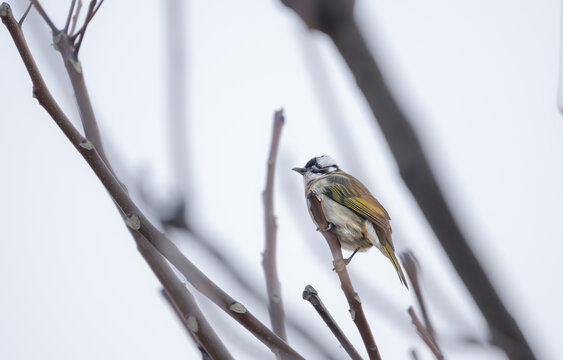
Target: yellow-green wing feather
350	192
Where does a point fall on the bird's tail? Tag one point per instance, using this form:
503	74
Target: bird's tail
391	255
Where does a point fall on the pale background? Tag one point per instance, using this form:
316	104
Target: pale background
478	78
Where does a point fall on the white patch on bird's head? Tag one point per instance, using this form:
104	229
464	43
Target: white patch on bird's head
319	166
323	162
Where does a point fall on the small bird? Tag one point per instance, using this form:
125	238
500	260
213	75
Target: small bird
354	215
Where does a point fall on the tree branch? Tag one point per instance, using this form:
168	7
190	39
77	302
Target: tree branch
311	295
166	296
135	218
186	308
356	310
410	263
336	19
425	335
269	263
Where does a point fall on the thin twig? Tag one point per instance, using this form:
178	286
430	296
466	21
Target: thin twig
336	19
183	302
425	335
410	263
69	16
75	18
44	15
269	261
312	296
25	14
136	220
356	310
92	10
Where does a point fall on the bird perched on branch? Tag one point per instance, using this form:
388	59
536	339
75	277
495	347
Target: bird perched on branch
354	215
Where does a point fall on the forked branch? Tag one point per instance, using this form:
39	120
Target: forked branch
135	219
356	310
312	296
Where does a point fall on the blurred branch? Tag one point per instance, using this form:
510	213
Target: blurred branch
135	219
234	270
356	310
186	308
410	263
75	17
269	263
312	296
336	19
204	354
425	335
22	19
69	16
177	97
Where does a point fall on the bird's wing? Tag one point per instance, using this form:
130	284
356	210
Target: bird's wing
350	192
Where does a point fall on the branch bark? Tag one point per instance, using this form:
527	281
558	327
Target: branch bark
410	264
269	261
183	302
356	310
312	296
135	219
425	335
336	19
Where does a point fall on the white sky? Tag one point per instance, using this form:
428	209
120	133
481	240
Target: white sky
479	80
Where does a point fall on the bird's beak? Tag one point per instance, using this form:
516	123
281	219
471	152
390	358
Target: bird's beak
300	170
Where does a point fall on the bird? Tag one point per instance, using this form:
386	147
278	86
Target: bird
353	213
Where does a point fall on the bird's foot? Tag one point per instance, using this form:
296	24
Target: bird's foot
328	228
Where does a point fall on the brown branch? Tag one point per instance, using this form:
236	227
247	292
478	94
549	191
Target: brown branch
204	354
136	220
425	335
352	297
45	17
22	19
92	9
75	18
312	296
234	270
183	302
336	19
410	263
69	16
269	261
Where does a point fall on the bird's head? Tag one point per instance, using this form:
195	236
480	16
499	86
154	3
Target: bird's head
317	167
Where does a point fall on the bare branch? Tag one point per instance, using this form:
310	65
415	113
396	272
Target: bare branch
183	302
411	266
136	220
44	15
204	353
425	335
25	14
336	19
75	18
312	296
234	270
269	261
70	11
356	310
92	10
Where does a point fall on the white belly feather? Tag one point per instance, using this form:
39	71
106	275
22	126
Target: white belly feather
352	230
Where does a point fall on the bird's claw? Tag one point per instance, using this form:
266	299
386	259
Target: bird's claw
328	228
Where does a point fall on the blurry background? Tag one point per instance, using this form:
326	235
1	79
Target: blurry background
479	80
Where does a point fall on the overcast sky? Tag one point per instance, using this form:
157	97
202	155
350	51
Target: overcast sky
477	78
